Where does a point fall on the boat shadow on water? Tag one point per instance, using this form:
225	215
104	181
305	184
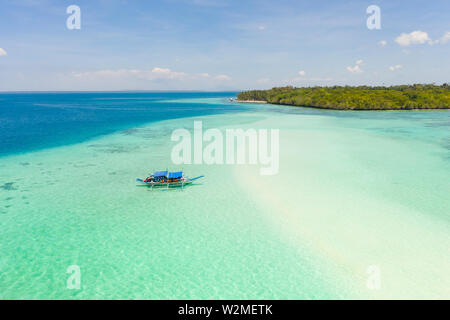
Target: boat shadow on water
170	188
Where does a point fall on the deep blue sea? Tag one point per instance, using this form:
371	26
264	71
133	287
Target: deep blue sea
32	121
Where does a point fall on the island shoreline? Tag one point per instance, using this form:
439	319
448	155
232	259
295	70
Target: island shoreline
357	98
329	108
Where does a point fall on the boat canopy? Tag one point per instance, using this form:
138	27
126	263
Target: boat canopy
167	174
160	173
174	175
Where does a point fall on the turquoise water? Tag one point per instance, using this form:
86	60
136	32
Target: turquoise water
355	189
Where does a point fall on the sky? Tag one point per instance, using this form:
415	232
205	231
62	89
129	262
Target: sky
221	45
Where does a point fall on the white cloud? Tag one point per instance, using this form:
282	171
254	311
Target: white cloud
222	77
261	28
420	37
3	52
303	78
445	38
156	73
104	73
356	68
165	73
155	78
382	43
396	67
415	37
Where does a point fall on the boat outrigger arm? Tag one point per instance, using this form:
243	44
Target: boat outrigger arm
167	179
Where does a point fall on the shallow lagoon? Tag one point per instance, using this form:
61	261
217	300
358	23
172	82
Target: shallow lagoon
355	189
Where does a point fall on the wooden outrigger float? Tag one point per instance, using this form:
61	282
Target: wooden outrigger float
167	179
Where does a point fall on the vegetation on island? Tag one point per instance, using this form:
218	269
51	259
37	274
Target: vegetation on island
404	97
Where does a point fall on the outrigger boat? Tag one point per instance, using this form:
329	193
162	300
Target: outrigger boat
167	179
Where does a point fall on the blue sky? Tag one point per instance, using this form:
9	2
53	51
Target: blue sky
220	44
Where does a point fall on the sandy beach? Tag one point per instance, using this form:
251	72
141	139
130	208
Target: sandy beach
352	199
252	101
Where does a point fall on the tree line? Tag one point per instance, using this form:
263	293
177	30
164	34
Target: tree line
403	97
